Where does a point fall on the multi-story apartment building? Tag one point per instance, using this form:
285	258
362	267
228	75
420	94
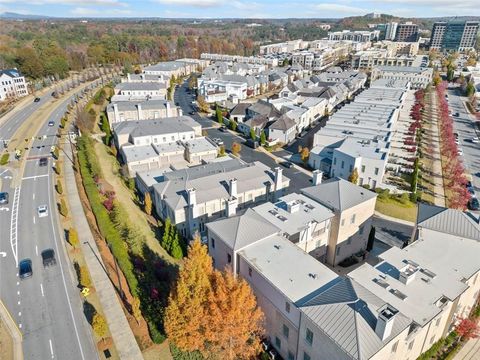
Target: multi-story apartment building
360	36
127	91
240	59
176	68
407	32
195	196
374	57
141	110
418	77
391	30
394	310
12	84
283	47
454	35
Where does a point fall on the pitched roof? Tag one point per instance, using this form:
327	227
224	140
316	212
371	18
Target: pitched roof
283	123
13	73
338	194
347	313
240	109
243	230
449	221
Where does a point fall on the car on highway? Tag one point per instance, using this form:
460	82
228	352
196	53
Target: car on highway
43	161
3	198
48	258
218	141
37	99
51	123
456	114
287	164
223	128
25	268
473	204
42	211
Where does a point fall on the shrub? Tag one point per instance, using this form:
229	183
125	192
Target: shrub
58	187
404	198
4	159
73	237
155	334
62	208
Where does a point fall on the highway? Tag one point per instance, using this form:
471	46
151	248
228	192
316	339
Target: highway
47	307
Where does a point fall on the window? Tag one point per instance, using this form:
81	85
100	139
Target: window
212	240
278	343
291	356
351	168
334	161
306	356
352	220
376	171
338	250
229	258
343	164
363	168
438	321
432	339
286	331
395	346
410	346
360	230
309	336
343	222
250	271
349	241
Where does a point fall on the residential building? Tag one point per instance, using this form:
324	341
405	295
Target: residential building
240	59
227	87
360	36
418	77
140	90
141	110
353	208
283	47
391	31
407	32
454	35
142	77
172	68
194	196
379	57
12	84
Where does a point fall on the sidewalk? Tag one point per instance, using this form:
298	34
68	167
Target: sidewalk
439	192
390	218
14	332
280	159
122	335
470	351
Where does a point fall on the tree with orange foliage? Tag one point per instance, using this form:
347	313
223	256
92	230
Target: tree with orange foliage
235	320
186	313
467	329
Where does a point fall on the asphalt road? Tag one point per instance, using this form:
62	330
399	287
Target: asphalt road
47	306
298	179
464	126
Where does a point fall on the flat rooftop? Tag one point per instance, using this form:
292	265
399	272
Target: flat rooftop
200	145
271	257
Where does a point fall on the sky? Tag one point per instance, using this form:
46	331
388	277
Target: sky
240	8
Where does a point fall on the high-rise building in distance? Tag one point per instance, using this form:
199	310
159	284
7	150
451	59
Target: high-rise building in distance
407	32
456	35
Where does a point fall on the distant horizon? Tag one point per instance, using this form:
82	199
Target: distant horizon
236	9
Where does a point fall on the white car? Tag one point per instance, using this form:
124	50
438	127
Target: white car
475	140
460	152
218	141
42	211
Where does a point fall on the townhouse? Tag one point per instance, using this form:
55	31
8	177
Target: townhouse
419	77
141	110
128	91
175	68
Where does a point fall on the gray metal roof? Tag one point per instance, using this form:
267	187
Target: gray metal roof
448	221
164	66
243	230
283	123
338	194
155	126
145	104
136	86
347	313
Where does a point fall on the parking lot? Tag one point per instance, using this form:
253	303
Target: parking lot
464	126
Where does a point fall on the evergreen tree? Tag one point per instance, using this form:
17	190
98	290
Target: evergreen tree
253	135
148	203
166	233
263	138
353	178
176	250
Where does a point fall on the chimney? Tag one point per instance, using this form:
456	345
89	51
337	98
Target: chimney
385	321
232	189
278	181
231	206
168	109
407	274
317	177
128	77
192	197
142	76
293	207
116	115
140	113
179	111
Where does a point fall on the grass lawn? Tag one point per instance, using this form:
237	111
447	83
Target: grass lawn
394	208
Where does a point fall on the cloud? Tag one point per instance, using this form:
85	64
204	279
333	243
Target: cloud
193	3
469	4
86	12
70	2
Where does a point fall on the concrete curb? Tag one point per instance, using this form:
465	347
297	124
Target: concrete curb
14	332
390	218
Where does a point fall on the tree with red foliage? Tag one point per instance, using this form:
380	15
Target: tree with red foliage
467	329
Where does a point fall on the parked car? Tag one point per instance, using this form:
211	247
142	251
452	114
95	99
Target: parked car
473	204
42	211
218	141
25	268
37	99
43	161
51	123
460	151
223	128
287	164
251	143
456	114
48	258
3	198
475	140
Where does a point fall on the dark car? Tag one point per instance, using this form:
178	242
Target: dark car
473	204
37	99
43	161
192	113
287	164
48	258
25	269
251	143
223	128
3	198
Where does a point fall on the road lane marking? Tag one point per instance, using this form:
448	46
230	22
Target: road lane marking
51	347
36	250
34	177
41	289
14	224
33	196
34	219
19	313
3	172
4	208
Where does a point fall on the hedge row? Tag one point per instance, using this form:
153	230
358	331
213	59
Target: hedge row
90	168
